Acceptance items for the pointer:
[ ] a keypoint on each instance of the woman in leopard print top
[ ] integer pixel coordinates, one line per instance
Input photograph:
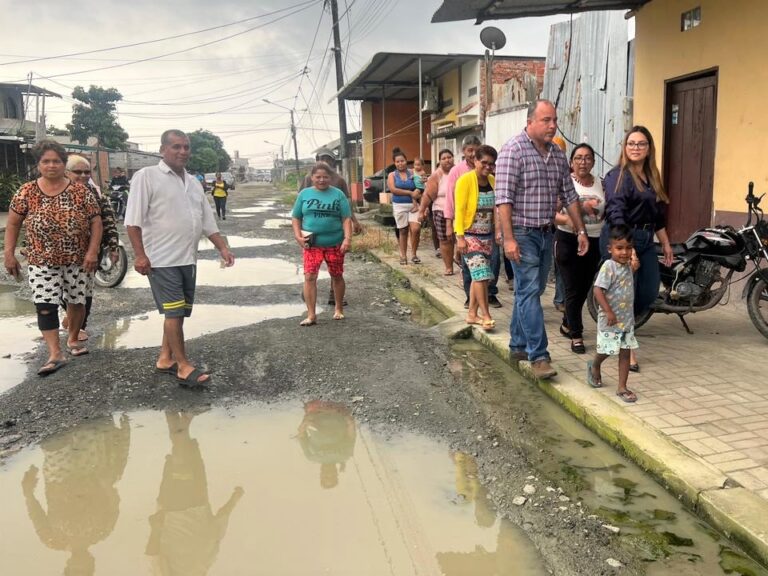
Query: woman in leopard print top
(63, 233)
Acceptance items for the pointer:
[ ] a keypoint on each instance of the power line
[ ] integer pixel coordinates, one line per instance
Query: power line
(151, 58)
(145, 42)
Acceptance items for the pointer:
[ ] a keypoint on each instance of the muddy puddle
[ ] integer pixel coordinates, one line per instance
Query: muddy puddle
(653, 523)
(278, 489)
(145, 330)
(240, 242)
(245, 272)
(276, 223)
(18, 336)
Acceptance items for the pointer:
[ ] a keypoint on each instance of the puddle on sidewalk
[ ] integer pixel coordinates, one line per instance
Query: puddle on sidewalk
(240, 242)
(18, 336)
(653, 523)
(245, 272)
(276, 223)
(146, 330)
(280, 489)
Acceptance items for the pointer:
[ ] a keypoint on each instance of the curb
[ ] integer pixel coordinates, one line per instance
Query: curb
(735, 511)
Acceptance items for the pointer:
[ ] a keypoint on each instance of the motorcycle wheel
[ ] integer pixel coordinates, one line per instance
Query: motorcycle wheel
(757, 306)
(112, 274)
(640, 319)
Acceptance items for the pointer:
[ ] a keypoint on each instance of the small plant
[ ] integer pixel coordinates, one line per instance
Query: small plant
(373, 237)
(9, 184)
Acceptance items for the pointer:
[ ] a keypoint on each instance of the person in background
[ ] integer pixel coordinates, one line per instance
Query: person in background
(120, 180)
(558, 301)
(322, 227)
(63, 232)
(405, 197)
(578, 272)
(166, 216)
(615, 294)
(473, 224)
(337, 181)
(468, 146)
(79, 170)
(220, 191)
(635, 196)
(532, 175)
(420, 177)
(435, 194)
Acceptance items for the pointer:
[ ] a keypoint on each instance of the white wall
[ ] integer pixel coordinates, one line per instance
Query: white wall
(501, 127)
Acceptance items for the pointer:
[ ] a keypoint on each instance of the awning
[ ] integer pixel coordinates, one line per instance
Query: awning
(482, 10)
(29, 89)
(395, 76)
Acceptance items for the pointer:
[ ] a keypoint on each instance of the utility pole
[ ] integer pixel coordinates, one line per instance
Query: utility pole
(295, 146)
(339, 82)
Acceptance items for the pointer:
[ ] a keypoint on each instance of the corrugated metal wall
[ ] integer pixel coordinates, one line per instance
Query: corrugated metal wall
(593, 102)
(501, 126)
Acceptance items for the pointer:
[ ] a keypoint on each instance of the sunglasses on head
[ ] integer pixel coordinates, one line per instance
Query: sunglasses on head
(80, 172)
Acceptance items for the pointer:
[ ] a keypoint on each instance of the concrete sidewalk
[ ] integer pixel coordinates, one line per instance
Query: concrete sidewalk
(701, 421)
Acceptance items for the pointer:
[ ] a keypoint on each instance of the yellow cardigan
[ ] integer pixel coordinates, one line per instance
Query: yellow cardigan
(466, 195)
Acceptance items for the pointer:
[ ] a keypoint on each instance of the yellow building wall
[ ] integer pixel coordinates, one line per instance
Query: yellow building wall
(731, 38)
(450, 88)
(366, 111)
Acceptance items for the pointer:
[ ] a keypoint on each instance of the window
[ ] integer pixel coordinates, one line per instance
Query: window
(690, 19)
(10, 110)
(472, 91)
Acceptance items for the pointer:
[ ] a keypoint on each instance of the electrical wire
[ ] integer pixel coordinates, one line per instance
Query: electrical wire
(174, 37)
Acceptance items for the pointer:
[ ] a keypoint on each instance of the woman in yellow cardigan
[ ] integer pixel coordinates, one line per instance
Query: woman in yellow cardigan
(474, 228)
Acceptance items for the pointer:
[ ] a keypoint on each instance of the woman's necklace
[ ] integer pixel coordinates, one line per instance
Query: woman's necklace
(587, 182)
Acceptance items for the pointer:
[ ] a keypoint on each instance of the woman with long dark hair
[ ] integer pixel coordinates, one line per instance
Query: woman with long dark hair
(635, 196)
(435, 193)
(405, 207)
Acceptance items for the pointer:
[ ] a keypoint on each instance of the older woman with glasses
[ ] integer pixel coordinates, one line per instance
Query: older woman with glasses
(79, 170)
(578, 272)
(63, 234)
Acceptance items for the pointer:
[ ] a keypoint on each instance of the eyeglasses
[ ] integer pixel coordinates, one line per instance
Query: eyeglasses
(639, 145)
(80, 172)
(583, 159)
(487, 163)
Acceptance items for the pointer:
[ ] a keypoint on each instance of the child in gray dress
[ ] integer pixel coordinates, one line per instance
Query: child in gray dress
(615, 294)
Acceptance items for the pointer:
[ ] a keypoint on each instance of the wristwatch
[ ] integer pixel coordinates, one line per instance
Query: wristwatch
(582, 231)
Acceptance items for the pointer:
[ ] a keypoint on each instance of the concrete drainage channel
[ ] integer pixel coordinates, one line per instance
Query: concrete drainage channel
(735, 512)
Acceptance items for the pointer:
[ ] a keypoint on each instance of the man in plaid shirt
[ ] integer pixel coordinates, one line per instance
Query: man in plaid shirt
(532, 174)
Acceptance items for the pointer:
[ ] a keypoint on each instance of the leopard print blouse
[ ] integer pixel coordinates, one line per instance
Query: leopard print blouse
(58, 228)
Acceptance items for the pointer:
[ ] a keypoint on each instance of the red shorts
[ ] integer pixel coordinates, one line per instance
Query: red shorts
(314, 257)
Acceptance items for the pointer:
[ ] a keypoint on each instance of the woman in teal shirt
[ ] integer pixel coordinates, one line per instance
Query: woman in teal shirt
(322, 226)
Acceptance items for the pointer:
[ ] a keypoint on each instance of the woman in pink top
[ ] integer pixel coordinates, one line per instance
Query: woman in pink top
(435, 194)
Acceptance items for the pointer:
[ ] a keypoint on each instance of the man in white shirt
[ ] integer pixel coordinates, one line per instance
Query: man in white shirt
(166, 215)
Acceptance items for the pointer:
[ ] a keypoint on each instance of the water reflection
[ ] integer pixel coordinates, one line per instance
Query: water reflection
(469, 488)
(327, 436)
(80, 470)
(185, 533)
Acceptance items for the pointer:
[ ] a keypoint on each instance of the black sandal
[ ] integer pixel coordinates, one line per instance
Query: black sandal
(578, 347)
(634, 367)
(564, 331)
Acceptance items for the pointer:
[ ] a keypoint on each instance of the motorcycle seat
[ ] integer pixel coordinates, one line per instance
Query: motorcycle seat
(677, 249)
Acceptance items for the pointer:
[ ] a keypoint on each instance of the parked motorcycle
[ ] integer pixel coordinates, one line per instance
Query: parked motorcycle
(110, 274)
(695, 282)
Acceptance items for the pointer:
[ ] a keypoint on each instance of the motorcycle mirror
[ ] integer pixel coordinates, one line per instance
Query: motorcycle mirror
(750, 199)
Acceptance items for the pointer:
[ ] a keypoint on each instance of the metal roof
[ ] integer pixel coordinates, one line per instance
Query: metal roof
(482, 10)
(395, 76)
(29, 89)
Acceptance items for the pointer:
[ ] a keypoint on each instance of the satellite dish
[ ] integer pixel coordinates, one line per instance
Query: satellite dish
(493, 38)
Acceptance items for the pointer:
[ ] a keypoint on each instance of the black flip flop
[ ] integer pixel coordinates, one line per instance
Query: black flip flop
(172, 369)
(564, 331)
(192, 379)
(634, 367)
(56, 364)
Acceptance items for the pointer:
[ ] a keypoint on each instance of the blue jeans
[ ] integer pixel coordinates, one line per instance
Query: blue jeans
(527, 331)
(493, 289)
(648, 276)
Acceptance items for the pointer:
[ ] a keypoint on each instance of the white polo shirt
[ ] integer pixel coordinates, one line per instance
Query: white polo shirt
(172, 214)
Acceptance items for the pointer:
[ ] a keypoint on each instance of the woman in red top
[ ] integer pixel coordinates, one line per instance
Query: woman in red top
(63, 233)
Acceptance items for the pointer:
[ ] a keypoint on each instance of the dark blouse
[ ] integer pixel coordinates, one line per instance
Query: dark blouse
(630, 205)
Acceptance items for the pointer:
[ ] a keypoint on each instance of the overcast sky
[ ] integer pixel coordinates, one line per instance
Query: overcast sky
(220, 87)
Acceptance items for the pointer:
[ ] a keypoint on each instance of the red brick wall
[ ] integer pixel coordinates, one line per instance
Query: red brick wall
(515, 70)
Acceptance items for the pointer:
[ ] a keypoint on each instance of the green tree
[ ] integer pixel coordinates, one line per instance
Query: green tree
(203, 143)
(94, 114)
(53, 131)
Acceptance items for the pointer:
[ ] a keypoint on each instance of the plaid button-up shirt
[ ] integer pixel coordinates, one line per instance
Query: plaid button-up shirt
(531, 183)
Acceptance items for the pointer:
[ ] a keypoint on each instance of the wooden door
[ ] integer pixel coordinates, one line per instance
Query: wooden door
(689, 158)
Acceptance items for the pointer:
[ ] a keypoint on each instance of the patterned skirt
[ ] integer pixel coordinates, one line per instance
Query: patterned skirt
(478, 256)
